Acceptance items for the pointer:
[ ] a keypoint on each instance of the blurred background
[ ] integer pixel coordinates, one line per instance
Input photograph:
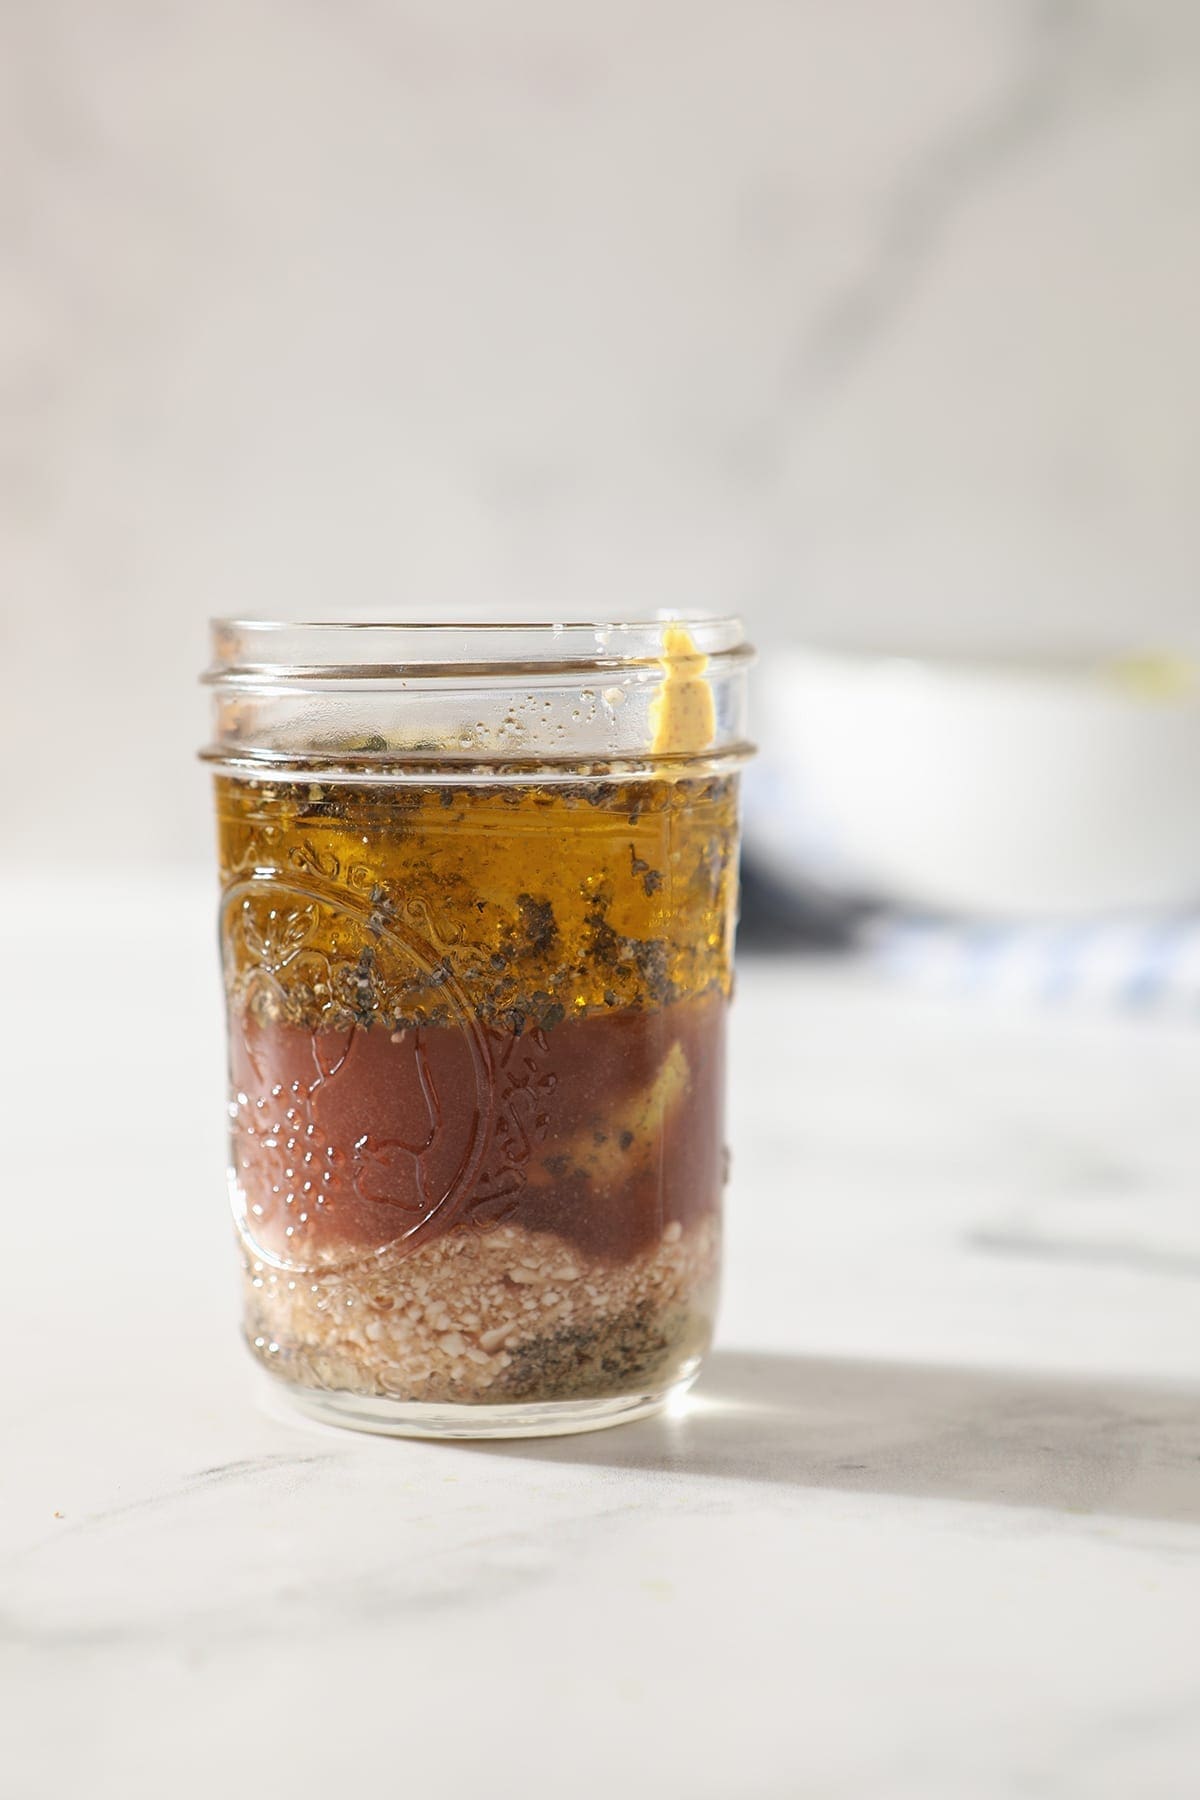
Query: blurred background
(873, 322)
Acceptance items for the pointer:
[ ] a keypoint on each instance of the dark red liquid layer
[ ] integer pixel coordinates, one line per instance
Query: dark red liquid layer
(604, 1130)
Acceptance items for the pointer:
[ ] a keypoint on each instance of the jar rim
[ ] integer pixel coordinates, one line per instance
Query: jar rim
(379, 699)
(369, 648)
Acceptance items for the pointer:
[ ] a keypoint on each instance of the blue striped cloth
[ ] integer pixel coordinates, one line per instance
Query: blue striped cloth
(1149, 964)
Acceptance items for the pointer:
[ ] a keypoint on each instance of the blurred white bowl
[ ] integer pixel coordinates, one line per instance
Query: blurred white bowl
(1005, 787)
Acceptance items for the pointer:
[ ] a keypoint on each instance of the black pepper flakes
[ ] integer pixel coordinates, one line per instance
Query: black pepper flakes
(537, 922)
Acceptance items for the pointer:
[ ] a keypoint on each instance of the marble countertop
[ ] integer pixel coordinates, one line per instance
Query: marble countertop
(930, 1526)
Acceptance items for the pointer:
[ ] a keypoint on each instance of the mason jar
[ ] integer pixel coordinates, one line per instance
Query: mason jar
(478, 895)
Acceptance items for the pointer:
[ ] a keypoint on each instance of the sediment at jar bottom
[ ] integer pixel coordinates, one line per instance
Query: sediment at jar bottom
(601, 1132)
(491, 1317)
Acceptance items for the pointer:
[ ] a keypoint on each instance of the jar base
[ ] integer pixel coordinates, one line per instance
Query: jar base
(427, 1419)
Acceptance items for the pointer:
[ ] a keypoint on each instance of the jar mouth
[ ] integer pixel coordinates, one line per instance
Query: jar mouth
(258, 652)
(377, 699)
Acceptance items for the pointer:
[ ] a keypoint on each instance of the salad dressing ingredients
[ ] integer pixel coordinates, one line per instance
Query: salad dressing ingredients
(477, 1077)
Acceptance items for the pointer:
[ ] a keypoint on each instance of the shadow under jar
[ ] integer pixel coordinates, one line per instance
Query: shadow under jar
(478, 900)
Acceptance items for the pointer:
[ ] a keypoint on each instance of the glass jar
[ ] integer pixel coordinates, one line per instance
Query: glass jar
(478, 894)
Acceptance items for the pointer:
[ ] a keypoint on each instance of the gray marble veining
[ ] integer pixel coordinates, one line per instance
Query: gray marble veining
(867, 320)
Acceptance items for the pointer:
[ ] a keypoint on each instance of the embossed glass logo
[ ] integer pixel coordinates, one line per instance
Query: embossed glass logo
(353, 1127)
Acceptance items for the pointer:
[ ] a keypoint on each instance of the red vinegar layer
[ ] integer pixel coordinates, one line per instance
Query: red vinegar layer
(604, 1130)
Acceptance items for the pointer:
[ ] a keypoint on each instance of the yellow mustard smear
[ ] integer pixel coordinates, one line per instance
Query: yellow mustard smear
(683, 717)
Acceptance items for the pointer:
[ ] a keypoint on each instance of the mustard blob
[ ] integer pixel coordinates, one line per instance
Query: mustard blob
(683, 718)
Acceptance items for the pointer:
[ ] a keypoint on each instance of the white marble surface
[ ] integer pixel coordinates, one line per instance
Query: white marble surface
(930, 1529)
